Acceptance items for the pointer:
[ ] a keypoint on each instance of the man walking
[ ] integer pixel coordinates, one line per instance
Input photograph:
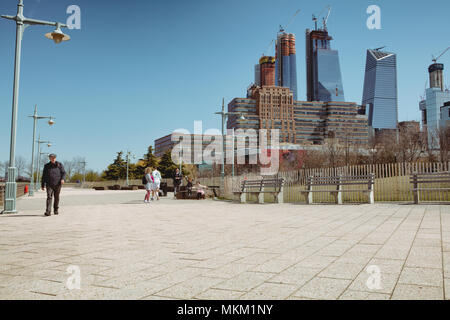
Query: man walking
(53, 178)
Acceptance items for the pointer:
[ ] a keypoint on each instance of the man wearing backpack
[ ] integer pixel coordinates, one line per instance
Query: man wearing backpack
(53, 177)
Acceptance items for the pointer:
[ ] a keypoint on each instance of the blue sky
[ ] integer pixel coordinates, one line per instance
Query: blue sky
(139, 69)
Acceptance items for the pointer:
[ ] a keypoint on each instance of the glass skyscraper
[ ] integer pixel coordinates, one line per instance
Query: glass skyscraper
(380, 89)
(286, 62)
(323, 71)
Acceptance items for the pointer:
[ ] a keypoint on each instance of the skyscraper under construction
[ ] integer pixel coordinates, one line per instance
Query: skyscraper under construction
(286, 62)
(323, 72)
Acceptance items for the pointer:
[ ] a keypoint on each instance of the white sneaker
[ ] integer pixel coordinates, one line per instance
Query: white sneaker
(145, 201)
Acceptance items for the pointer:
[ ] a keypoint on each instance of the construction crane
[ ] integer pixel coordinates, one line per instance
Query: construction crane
(314, 18)
(283, 29)
(325, 20)
(436, 59)
(268, 48)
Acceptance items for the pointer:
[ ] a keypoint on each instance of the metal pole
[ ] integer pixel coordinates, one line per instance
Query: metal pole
(223, 138)
(31, 191)
(232, 147)
(181, 163)
(39, 164)
(128, 158)
(11, 185)
(84, 171)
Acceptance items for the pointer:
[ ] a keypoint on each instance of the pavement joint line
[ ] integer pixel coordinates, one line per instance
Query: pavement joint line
(410, 248)
(390, 236)
(317, 274)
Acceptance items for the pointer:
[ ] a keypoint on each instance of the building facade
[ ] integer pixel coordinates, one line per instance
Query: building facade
(445, 115)
(323, 71)
(286, 62)
(380, 89)
(435, 100)
(299, 122)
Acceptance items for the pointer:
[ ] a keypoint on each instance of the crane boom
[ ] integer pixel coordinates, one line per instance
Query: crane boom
(325, 20)
(282, 29)
(436, 59)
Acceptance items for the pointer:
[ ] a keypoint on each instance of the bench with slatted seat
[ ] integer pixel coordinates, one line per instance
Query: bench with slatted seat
(429, 178)
(260, 187)
(338, 182)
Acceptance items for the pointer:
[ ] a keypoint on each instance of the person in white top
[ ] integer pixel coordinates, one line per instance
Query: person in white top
(156, 183)
(148, 185)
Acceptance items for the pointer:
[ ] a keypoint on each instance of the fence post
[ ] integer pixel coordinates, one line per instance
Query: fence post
(309, 196)
(339, 190)
(416, 191)
(243, 195)
(261, 193)
(371, 189)
(280, 196)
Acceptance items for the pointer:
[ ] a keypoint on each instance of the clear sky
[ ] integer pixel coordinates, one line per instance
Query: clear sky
(138, 69)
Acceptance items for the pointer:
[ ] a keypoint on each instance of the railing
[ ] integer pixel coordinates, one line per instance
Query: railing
(20, 191)
(392, 182)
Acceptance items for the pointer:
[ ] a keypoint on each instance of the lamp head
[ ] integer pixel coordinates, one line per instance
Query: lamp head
(242, 117)
(49, 145)
(57, 35)
(51, 122)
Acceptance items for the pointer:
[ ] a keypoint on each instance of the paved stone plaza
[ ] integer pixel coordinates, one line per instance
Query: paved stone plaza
(181, 249)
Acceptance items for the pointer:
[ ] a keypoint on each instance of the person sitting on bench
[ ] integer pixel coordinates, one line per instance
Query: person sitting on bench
(189, 186)
(200, 190)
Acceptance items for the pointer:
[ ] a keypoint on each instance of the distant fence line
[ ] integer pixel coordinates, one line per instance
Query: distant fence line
(392, 182)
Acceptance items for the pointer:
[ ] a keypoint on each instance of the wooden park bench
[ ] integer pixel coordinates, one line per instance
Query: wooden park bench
(429, 178)
(260, 187)
(338, 182)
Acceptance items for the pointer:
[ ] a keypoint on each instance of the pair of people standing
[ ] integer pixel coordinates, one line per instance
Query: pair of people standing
(153, 182)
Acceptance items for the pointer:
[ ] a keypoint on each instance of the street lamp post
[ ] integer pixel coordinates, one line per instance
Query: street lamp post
(224, 117)
(35, 118)
(84, 171)
(57, 36)
(128, 161)
(39, 142)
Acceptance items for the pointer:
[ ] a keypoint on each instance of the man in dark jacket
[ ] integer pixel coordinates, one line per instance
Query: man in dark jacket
(53, 178)
(177, 181)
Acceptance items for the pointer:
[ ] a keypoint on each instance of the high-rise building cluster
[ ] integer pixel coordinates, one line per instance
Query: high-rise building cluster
(272, 100)
(435, 106)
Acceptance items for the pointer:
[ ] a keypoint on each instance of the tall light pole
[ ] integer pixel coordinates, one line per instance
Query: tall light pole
(224, 117)
(84, 170)
(128, 161)
(39, 142)
(35, 118)
(57, 36)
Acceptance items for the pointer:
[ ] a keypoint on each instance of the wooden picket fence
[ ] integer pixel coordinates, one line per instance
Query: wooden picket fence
(392, 183)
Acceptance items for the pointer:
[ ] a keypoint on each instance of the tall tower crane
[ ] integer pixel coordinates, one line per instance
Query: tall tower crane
(283, 29)
(436, 59)
(314, 17)
(325, 20)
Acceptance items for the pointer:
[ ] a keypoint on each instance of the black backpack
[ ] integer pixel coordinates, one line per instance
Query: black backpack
(144, 179)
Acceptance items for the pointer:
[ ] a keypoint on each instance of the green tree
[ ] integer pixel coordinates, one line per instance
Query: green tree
(117, 170)
(167, 167)
(93, 176)
(149, 160)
